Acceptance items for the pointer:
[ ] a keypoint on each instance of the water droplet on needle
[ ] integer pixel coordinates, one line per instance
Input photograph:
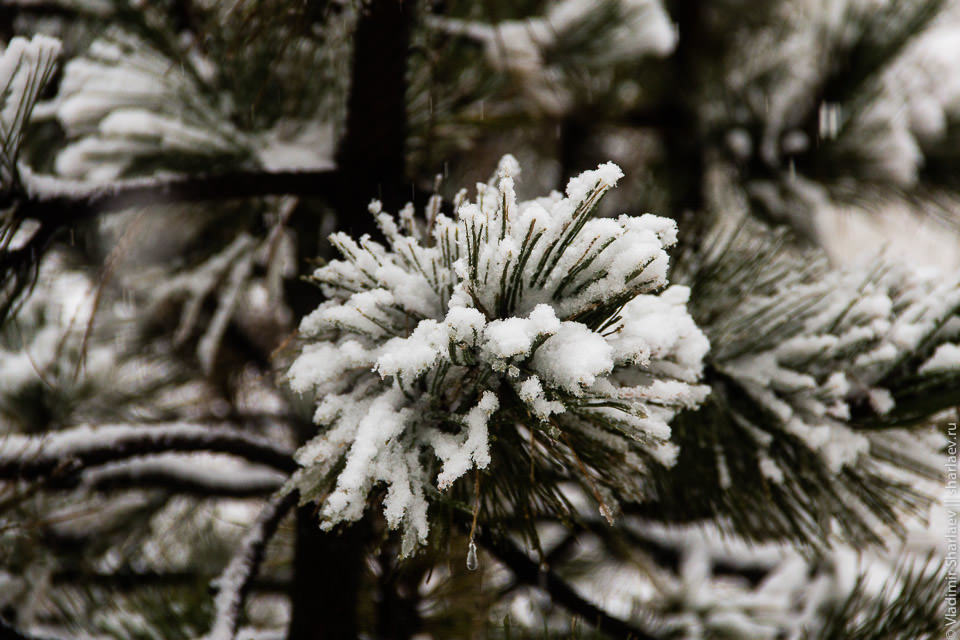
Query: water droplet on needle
(472, 561)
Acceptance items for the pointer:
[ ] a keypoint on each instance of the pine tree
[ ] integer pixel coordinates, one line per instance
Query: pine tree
(397, 318)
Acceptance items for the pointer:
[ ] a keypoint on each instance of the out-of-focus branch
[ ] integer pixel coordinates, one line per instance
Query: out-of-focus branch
(51, 200)
(66, 452)
(237, 577)
(177, 474)
(529, 572)
(9, 632)
(126, 580)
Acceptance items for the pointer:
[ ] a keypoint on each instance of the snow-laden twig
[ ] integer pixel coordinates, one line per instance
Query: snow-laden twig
(236, 578)
(52, 199)
(226, 305)
(127, 579)
(123, 102)
(196, 284)
(207, 476)
(526, 49)
(30, 457)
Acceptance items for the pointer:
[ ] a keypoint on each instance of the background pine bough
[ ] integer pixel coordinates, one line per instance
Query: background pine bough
(541, 381)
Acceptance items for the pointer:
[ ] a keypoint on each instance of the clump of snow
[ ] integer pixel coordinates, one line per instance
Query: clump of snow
(513, 313)
(945, 358)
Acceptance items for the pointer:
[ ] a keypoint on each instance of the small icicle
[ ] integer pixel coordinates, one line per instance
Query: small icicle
(472, 561)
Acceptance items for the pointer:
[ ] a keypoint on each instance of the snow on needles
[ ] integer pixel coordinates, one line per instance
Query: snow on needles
(122, 102)
(511, 322)
(843, 345)
(25, 68)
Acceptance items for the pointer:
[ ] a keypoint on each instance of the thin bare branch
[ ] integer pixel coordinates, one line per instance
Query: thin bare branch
(529, 572)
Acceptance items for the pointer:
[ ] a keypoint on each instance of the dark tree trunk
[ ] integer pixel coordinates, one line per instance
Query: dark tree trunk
(684, 142)
(371, 164)
(326, 580)
(574, 132)
(7, 16)
(371, 155)
(398, 614)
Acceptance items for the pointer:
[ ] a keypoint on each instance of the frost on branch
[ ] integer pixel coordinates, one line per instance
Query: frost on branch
(522, 332)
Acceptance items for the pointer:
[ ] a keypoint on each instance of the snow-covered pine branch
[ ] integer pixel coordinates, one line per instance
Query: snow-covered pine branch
(61, 201)
(243, 567)
(25, 68)
(533, 50)
(697, 582)
(200, 473)
(124, 103)
(51, 204)
(528, 329)
(836, 341)
(807, 365)
(70, 450)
